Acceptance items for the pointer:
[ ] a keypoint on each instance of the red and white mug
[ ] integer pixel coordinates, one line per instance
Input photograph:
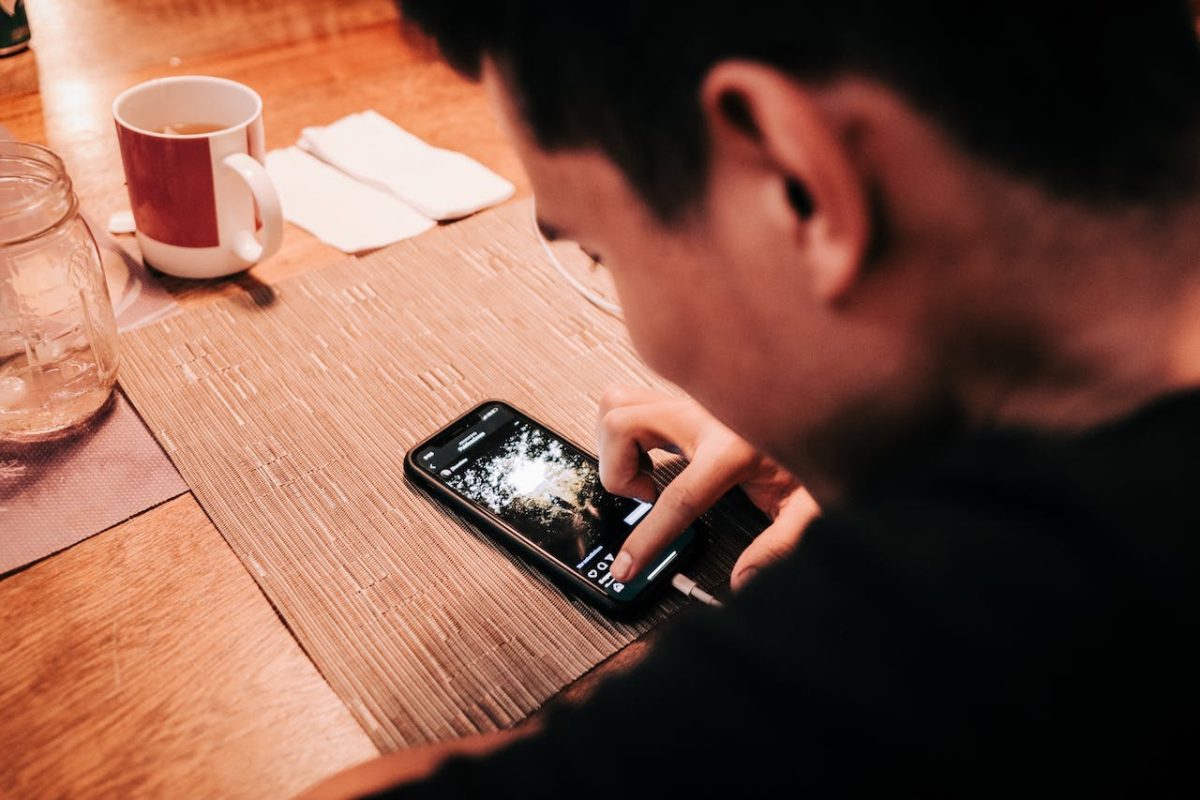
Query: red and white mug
(202, 202)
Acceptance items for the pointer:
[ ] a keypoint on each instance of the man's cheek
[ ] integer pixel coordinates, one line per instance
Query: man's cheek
(662, 339)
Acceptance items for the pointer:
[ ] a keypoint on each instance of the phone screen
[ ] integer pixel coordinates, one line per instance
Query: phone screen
(549, 491)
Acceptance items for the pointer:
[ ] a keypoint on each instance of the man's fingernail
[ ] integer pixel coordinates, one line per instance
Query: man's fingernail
(747, 575)
(620, 567)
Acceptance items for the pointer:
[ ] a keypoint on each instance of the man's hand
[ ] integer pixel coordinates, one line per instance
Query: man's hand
(635, 421)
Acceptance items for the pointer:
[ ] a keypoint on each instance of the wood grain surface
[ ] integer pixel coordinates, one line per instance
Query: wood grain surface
(145, 662)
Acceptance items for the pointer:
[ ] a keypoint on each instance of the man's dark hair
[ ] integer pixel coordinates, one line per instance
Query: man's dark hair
(1095, 102)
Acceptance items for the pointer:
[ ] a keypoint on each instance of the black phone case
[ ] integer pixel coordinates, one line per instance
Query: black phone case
(498, 530)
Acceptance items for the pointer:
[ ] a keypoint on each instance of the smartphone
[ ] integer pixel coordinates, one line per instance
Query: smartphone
(540, 494)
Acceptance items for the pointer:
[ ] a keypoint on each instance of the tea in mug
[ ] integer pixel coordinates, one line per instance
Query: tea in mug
(189, 128)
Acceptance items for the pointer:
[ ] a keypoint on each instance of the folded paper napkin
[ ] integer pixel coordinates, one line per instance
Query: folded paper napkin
(441, 184)
(338, 210)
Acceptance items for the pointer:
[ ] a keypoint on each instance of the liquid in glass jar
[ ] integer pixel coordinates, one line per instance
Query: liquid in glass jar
(58, 337)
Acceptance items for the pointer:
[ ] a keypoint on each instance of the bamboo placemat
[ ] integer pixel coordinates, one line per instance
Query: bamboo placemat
(289, 413)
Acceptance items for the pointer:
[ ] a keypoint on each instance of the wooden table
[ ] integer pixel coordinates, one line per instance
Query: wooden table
(145, 661)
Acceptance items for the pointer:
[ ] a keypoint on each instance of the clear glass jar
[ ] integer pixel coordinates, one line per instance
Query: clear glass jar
(58, 337)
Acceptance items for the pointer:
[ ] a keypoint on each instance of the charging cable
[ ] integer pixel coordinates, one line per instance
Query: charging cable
(689, 588)
(592, 297)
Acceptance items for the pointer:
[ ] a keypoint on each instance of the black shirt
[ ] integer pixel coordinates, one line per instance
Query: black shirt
(1017, 615)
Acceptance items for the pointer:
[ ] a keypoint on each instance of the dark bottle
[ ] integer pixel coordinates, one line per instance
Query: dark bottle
(14, 27)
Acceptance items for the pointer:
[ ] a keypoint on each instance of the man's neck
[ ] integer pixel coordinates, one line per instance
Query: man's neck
(1103, 351)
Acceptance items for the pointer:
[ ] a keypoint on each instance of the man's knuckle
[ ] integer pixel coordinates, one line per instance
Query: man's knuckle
(615, 480)
(617, 421)
(613, 397)
(686, 501)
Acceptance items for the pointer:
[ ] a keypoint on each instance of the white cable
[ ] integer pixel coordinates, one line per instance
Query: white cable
(689, 588)
(592, 297)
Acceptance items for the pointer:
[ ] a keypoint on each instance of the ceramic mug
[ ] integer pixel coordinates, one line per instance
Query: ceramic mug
(192, 147)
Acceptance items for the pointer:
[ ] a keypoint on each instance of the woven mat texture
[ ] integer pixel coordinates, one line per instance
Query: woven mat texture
(288, 410)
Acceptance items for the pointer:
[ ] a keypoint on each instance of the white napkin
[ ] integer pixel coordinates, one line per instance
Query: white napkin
(439, 183)
(337, 209)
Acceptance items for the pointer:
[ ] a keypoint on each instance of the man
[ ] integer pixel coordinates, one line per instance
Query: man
(938, 267)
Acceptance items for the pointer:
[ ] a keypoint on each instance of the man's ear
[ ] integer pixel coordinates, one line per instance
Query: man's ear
(770, 122)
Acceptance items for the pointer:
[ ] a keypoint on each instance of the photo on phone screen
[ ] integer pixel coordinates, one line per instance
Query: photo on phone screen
(549, 491)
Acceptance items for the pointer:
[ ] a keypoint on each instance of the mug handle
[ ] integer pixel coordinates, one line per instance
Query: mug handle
(250, 247)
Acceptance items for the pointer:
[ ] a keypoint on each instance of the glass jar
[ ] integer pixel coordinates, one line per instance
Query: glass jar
(58, 337)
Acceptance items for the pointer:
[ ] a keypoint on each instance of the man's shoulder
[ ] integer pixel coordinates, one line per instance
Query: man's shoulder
(1107, 506)
(1010, 587)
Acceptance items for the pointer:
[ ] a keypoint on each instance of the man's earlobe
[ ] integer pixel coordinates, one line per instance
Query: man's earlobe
(836, 267)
